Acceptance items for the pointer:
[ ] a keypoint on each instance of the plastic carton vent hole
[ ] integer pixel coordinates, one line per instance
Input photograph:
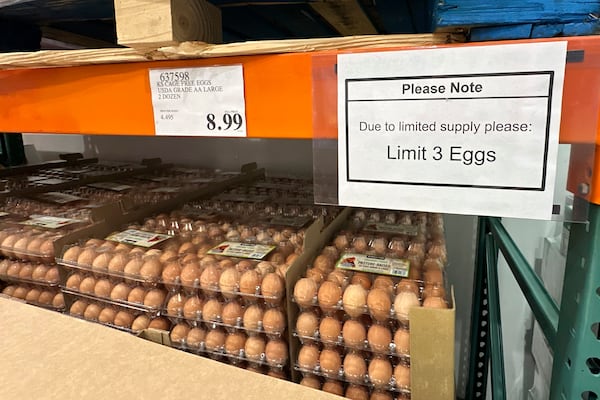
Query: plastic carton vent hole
(569, 362)
(593, 364)
(598, 291)
(596, 330)
(589, 395)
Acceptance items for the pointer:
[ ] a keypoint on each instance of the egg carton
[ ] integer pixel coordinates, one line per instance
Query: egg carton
(30, 244)
(20, 272)
(234, 321)
(133, 307)
(36, 295)
(235, 357)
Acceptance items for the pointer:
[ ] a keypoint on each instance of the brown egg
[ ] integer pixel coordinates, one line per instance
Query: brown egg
(307, 324)
(58, 301)
(250, 283)
(91, 313)
(380, 371)
(402, 341)
(229, 281)
(434, 277)
(331, 252)
(46, 297)
(52, 275)
(274, 321)
(87, 284)
(103, 288)
(341, 242)
(14, 269)
(215, 340)
(355, 367)
(167, 256)
(20, 247)
(86, 257)
(272, 288)
(275, 373)
(276, 352)
(232, 313)
(311, 381)
(362, 279)
(434, 300)
(408, 285)
(403, 303)
(381, 395)
(4, 264)
(140, 322)
(33, 295)
(323, 264)
(235, 342)
(330, 329)
(329, 295)
(192, 308)
(94, 242)
(179, 332)
(136, 295)
(339, 277)
(8, 244)
(291, 258)
(175, 304)
(195, 337)
(122, 247)
(402, 376)
(132, 268)
(9, 290)
(334, 387)
(107, 315)
(136, 252)
(151, 269)
(264, 268)
(170, 274)
(253, 317)
(190, 275)
(118, 262)
(20, 292)
(124, 319)
(315, 274)
(159, 323)
(379, 338)
(72, 254)
(39, 272)
(26, 271)
(254, 348)
(308, 356)
(154, 298)
(354, 333)
(187, 247)
(212, 310)
(355, 300)
(357, 392)
(188, 258)
(384, 282)
(225, 264)
(379, 303)
(330, 361)
(120, 292)
(101, 261)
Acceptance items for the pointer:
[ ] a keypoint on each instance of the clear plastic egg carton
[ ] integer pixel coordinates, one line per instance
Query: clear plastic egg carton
(115, 316)
(376, 372)
(38, 295)
(109, 291)
(229, 314)
(29, 273)
(350, 390)
(389, 338)
(235, 347)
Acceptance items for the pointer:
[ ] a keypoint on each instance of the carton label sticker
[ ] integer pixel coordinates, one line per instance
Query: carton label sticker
(382, 227)
(46, 221)
(242, 250)
(59, 198)
(374, 264)
(139, 238)
(51, 181)
(115, 187)
(3, 214)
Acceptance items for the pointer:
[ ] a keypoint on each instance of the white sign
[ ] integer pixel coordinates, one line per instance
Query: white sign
(203, 101)
(138, 238)
(471, 130)
(46, 221)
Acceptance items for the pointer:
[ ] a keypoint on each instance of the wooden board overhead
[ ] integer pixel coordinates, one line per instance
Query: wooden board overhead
(345, 16)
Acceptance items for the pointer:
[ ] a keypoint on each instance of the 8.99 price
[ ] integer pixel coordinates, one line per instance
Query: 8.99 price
(228, 121)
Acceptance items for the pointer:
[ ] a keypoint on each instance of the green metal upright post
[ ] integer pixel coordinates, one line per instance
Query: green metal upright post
(576, 367)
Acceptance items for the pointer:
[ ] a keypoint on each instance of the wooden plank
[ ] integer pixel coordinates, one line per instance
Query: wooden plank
(345, 16)
(155, 23)
(190, 50)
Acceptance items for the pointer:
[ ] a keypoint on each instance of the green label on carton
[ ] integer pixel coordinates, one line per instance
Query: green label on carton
(374, 264)
(139, 238)
(242, 250)
(46, 221)
(394, 229)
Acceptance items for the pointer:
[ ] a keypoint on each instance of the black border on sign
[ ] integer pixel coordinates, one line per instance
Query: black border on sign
(542, 186)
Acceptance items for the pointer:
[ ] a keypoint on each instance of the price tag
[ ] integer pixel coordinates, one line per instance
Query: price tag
(139, 238)
(45, 221)
(115, 187)
(202, 101)
(459, 130)
(374, 264)
(242, 250)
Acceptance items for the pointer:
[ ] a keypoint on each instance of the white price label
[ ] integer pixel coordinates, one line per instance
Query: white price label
(242, 250)
(115, 187)
(374, 264)
(460, 130)
(45, 221)
(202, 101)
(139, 238)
